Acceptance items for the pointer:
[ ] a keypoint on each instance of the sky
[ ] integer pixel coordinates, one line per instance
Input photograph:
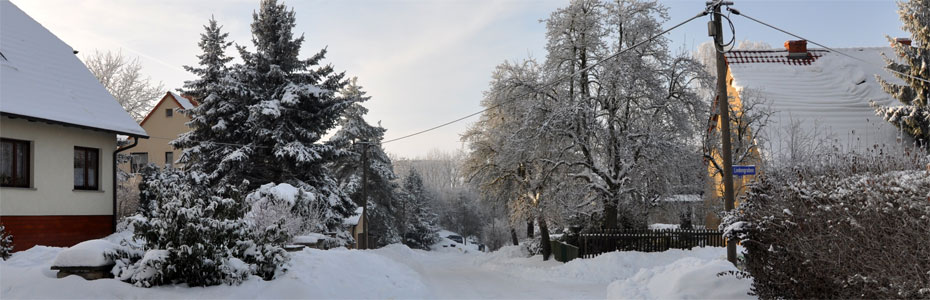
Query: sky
(423, 62)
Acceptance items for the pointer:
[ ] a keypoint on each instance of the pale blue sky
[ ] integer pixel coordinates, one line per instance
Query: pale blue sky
(423, 62)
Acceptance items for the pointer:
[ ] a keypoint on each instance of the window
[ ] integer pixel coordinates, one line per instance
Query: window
(14, 165)
(139, 160)
(86, 167)
(169, 113)
(169, 159)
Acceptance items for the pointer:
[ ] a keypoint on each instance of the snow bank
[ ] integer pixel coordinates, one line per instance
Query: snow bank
(312, 274)
(686, 278)
(605, 268)
(86, 254)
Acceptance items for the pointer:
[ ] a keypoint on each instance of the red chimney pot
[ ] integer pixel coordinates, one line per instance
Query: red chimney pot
(903, 41)
(796, 46)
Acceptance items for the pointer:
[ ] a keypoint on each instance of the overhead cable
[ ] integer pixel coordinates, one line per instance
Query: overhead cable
(551, 83)
(738, 13)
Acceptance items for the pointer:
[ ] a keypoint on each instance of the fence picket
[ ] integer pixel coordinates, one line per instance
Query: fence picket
(601, 241)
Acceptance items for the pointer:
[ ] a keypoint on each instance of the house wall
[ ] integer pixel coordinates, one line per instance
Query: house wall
(51, 211)
(713, 195)
(162, 130)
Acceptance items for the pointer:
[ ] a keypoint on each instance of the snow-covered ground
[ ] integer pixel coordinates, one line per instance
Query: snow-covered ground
(399, 272)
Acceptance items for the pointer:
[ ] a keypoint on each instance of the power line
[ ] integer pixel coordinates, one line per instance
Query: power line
(738, 13)
(701, 14)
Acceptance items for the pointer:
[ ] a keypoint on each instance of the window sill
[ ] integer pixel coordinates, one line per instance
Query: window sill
(87, 191)
(19, 188)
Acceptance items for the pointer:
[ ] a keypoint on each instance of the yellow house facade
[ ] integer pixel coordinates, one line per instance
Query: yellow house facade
(164, 123)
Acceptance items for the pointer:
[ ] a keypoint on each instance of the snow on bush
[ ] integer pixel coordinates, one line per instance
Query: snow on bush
(686, 278)
(6, 243)
(92, 253)
(803, 228)
(191, 235)
(274, 203)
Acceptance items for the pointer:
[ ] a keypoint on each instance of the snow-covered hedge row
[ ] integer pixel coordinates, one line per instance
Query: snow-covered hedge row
(825, 234)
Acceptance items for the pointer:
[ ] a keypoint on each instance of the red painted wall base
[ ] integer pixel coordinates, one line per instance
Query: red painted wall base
(58, 231)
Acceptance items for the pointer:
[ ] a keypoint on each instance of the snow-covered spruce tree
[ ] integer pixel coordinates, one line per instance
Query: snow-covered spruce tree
(6, 243)
(291, 104)
(913, 115)
(351, 141)
(418, 219)
(217, 123)
(193, 236)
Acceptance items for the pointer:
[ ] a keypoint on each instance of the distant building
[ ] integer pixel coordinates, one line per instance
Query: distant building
(815, 96)
(58, 129)
(356, 225)
(163, 123)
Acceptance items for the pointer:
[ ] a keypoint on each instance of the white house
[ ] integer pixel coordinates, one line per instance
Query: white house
(58, 127)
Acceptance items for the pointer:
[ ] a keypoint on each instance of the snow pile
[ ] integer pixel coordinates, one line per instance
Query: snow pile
(686, 278)
(92, 253)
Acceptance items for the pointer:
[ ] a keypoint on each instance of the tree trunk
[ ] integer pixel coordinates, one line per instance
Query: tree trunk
(513, 236)
(529, 228)
(544, 236)
(610, 214)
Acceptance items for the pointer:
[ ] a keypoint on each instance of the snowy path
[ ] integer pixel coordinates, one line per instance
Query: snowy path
(461, 276)
(397, 272)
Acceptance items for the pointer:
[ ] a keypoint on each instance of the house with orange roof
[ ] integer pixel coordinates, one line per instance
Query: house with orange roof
(810, 97)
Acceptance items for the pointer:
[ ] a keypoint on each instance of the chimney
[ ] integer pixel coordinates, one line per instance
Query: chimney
(796, 49)
(903, 41)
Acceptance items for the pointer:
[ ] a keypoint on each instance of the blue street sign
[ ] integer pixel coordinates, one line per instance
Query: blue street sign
(744, 170)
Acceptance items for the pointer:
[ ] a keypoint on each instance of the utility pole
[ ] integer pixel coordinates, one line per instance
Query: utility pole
(363, 240)
(716, 30)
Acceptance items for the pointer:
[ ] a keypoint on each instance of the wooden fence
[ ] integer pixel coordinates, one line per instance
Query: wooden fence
(608, 240)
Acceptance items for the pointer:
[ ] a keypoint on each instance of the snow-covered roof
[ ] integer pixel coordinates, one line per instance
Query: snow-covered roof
(41, 78)
(827, 92)
(183, 102)
(353, 220)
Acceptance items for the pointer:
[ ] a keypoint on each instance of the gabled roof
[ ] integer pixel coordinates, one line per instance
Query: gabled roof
(184, 102)
(826, 91)
(42, 79)
(181, 101)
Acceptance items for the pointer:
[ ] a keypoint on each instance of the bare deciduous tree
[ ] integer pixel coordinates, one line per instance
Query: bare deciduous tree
(122, 76)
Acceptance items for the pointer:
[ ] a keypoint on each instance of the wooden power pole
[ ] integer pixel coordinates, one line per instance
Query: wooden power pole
(724, 110)
(363, 240)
